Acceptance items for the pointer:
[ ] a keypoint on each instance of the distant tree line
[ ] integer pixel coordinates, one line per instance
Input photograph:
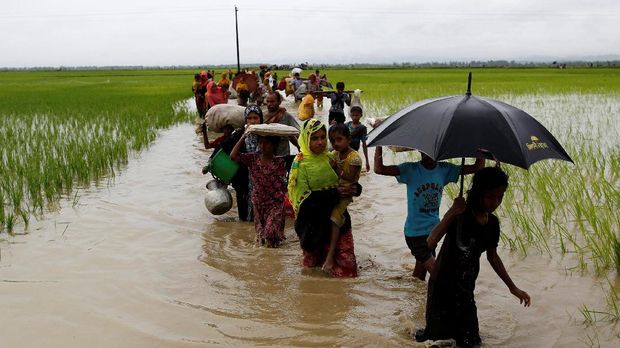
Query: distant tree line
(306, 66)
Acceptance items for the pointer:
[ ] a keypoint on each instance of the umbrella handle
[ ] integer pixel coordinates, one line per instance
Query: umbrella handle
(462, 175)
(466, 248)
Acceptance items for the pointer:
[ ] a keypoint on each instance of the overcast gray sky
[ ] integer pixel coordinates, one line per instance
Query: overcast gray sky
(198, 32)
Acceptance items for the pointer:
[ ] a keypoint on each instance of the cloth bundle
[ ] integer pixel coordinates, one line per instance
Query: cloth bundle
(273, 129)
(221, 115)
(306, 108)
(356, 98)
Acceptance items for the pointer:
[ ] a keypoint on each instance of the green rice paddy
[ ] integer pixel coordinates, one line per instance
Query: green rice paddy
(63, 130)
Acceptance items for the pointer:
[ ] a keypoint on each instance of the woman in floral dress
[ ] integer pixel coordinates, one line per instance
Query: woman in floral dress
(268, 177)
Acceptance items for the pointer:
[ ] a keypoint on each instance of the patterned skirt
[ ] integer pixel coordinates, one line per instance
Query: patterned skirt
(345, 264)
(269, 222)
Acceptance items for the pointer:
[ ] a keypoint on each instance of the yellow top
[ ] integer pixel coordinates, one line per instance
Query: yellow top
(306, 108)
(223, 81)
(241, 86)
(353, 159)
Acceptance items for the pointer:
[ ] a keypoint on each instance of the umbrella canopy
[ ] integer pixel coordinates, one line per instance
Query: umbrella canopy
(457, 126)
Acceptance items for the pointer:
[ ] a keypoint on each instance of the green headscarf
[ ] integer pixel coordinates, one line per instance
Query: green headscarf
(310, 171)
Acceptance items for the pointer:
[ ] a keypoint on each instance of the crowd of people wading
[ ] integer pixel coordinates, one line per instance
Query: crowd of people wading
(316, 186)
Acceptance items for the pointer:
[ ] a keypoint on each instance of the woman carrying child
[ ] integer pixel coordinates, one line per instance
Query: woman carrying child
(313, 191)
(470, 229)
(268, 178)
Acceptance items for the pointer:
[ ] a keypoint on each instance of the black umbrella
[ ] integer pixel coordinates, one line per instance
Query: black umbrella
(458, 126)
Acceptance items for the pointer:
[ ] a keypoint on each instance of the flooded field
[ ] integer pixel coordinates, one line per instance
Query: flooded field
(136, 260)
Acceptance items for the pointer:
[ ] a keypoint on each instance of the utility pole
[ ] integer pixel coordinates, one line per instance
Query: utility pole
(237, 34)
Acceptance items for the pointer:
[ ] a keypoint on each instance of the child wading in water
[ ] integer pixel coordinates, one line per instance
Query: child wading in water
(268, 176)
(348, 166)
(470, 229)
(425, 181)
(359, 132)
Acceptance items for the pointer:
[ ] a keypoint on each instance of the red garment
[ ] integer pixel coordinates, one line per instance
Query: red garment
(274, 117)
(216, 143)
(268, 189)
(288, 208)
(215, 95)
(282, 85)
(345, 264)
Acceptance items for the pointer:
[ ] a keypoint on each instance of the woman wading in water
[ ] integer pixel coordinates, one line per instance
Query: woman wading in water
(313, 191)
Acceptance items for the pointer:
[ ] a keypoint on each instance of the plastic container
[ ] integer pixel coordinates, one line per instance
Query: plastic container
(222, 167)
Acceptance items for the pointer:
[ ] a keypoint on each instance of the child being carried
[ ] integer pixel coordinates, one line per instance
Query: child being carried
(348, 164)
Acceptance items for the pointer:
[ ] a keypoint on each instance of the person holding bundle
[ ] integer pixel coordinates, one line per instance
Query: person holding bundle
(268, 178)
(359, 132)
(277, 114)
(338, 99)
(241, 181)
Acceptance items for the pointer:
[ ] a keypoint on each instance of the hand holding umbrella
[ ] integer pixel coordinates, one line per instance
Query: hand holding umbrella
(457, 126)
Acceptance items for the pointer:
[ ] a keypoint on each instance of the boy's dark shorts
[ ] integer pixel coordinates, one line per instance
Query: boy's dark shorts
(338, 116)
(419, 248)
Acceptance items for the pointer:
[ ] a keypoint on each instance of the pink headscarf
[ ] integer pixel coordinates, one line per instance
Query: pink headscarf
(210, 86)
(313, 79)
(215, 95)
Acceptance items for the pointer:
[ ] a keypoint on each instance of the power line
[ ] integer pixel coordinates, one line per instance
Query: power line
(338, 11)
(436, 12)
(114, 14)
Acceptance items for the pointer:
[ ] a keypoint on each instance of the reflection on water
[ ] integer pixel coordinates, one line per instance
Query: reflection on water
(142, 263)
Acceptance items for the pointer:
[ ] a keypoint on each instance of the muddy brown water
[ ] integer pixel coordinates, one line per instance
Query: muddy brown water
(140, 262)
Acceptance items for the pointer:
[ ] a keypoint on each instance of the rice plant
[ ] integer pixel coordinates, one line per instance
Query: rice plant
(63, 130)
(616, 248)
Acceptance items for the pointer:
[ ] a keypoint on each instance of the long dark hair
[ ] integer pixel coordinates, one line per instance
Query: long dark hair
(274, 140)
(340, 129)
(485, 179)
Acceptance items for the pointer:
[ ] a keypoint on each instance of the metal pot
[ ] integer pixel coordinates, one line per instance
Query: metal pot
(215, 184)
(218, 200)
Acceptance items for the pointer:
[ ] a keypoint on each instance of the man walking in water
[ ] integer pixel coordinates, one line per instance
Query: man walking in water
(277, 114)
(425, 181)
